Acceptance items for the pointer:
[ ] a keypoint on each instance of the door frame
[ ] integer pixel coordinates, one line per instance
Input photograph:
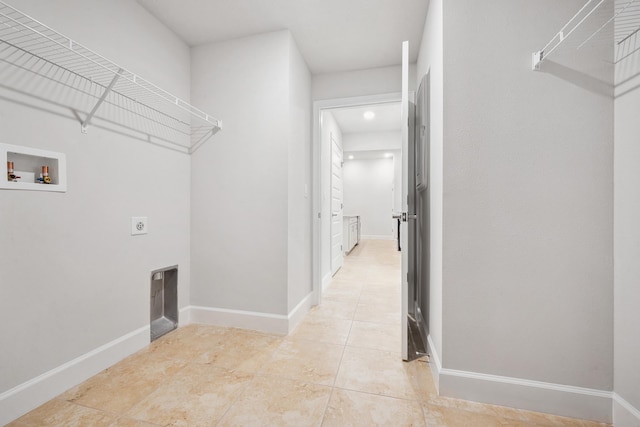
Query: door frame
(316, 160)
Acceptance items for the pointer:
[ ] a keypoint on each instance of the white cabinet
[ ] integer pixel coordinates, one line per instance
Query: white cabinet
(350, 232)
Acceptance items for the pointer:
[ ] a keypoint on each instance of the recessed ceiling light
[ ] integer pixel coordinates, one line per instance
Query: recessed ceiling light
(369, 115)
(350, 157)
(388, 155)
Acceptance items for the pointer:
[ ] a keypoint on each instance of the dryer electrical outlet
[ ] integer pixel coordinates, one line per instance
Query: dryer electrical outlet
(139, 225)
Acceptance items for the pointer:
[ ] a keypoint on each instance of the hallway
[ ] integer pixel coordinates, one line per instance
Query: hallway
(340, 367)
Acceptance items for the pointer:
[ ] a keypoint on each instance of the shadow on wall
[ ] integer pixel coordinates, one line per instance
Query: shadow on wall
(628, 65)
(47, 87)
(627, 71)
(29, 100)
(578, 78)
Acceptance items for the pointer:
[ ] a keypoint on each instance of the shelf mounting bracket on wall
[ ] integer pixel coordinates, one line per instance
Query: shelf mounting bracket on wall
(573, 24)
(87, 121)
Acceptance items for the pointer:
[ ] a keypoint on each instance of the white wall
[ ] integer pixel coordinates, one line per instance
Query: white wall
(431, 60)
(329, 86)
(389, 141)
(627, 241)
(72, 277)
(367, 193)
(367, 141)
(248, 195)
(528, 214)
(374, 81)
(240, 182)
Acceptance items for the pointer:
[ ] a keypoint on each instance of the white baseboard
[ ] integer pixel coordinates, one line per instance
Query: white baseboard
(557, 399)
(299, 311)
(325, 281)
(264, 322)
(624, 414)
(29, 395)
(434, 362)
(184, 316)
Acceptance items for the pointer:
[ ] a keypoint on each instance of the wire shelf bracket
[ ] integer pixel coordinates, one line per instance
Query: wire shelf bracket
(30, 45)
(573, 24)
(624, 15)
(85, 124)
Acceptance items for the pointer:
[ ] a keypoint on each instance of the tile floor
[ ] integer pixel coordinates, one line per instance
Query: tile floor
(340, 367)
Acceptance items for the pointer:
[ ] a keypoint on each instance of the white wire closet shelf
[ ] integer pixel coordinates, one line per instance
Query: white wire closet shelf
(597, 22)
(94, 87)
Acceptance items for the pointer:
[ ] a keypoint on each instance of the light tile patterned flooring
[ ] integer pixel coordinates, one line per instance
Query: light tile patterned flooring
(340, 367)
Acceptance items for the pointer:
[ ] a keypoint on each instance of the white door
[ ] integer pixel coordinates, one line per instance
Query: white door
(407, 225)
(337, 255)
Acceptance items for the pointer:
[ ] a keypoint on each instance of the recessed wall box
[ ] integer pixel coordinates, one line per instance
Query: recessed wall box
(28, 163)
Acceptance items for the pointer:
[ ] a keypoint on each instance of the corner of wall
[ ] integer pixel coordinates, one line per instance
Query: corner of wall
(299, 312)
(626, 405)
(624, 414)
(299, 224)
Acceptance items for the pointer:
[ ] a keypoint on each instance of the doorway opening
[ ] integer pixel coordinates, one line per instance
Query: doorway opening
(357, 179)
(339, 173)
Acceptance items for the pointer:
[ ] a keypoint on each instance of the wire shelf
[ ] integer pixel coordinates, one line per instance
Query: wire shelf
(599, 22)
(38, 60)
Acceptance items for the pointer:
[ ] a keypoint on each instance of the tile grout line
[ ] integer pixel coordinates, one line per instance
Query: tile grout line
(344, 349)
(116, 415)
(417, 400)
(326, 407)
(236, 399)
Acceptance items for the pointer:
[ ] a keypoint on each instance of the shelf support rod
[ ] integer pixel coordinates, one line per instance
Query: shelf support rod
(205, 137)
(106, 92)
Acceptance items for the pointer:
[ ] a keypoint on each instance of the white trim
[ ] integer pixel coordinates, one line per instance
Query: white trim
(29, 395)
(326, 280)
(436, 366)
(184, 316)
(571, 401)
(299, 311)
(527, 383)
(264, 322)
(558, 399)
(624, 413)
(375, 237)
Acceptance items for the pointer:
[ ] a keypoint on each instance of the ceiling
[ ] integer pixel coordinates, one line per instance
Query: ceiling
(332, 35)
(351, 119)
(386, 119)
